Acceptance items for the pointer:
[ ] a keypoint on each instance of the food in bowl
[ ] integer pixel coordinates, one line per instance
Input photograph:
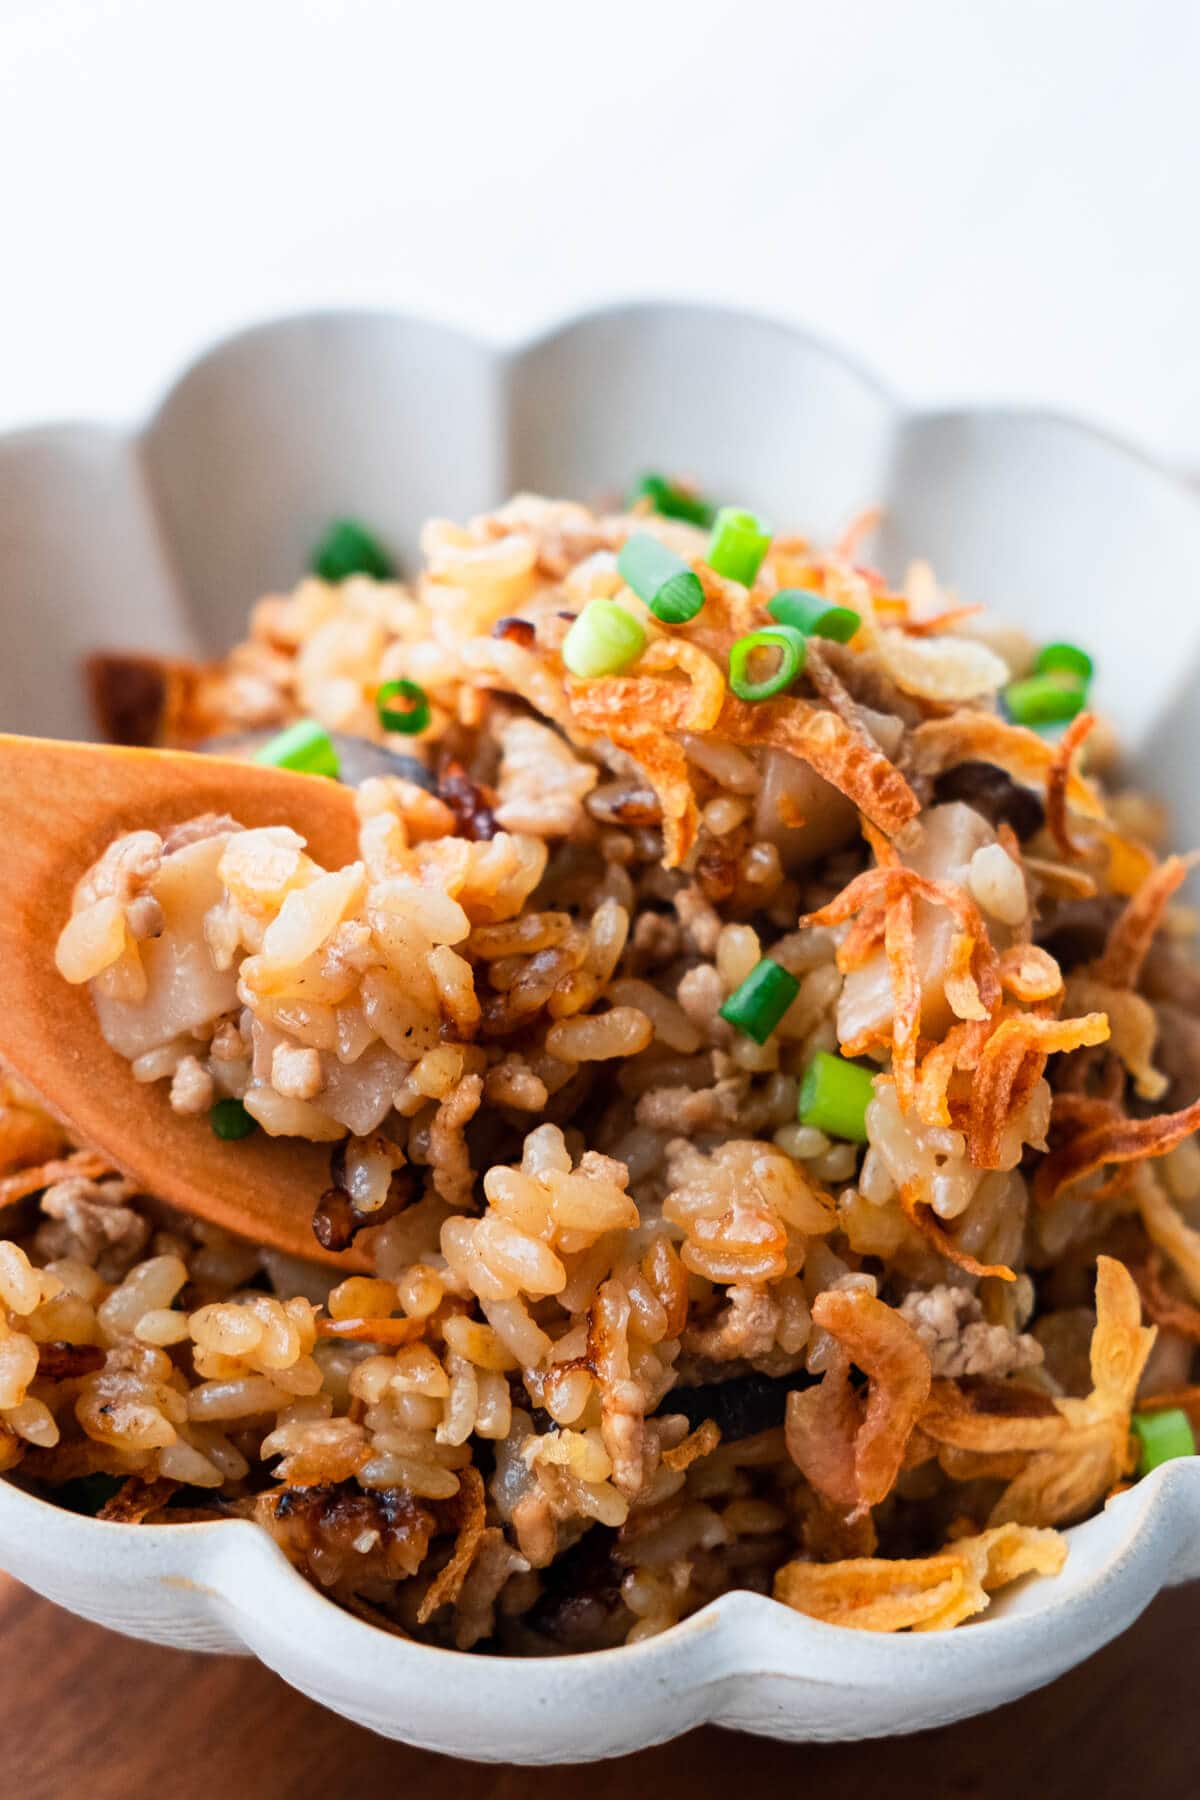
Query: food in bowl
(757, 1052)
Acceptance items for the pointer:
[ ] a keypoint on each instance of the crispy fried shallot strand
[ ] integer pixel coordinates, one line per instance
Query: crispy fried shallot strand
(1058, 1464)
(924, 1593)
(961, 1048)
(922, 1217)
(1058, 779)
(1119, 1140)
(1130, 939)
(87, 1165)
(1012, 1062)
(852, 1451)
(847, 756)
(885, 883)
(469, 1510)
(943, 621)
(900, 946)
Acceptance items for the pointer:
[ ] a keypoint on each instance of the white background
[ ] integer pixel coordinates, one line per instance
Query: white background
(982, 198)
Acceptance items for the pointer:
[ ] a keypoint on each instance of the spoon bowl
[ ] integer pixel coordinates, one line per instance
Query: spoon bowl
(61, 804)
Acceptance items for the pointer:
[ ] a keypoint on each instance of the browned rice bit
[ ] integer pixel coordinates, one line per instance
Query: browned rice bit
(636, 1334)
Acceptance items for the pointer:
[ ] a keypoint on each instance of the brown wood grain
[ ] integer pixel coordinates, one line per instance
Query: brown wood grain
(84, 1713)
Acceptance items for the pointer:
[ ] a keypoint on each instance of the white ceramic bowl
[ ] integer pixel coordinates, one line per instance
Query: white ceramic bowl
(163, 537)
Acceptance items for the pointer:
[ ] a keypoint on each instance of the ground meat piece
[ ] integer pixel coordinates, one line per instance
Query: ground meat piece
(994, 794)
(950, 1324)
(542, 781)
(191, 1087)
(125, 871)
(89, 1221)
(729, 1106)
(684, 1111)
(295, 1072)
(448, 1156)
(746, 1327)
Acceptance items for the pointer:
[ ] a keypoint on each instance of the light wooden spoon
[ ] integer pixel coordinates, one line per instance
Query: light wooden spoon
(60, 806)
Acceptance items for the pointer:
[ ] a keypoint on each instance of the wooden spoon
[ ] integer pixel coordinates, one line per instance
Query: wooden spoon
(60, 806)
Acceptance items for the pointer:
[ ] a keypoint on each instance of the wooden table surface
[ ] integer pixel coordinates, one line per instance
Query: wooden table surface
(118, 1720)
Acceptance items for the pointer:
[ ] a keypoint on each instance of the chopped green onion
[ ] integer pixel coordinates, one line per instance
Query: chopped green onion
(409, 719)
(1043, 700)
(790, 648)
(603, 640)
(348, 548)
(1163, 1436)
(1064, 660)
(663, 580)
(758, 1004)
(738, 544)
(671, 501)
(305, 747)
(230, 1120)
(814, 615)
(834, 1096)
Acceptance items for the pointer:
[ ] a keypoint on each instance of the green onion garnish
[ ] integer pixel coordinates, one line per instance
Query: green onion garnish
(349, 549)
(1064, 660)
(305, 747)
(230, 1120)
(663, 580)
(834, 1096)
(1043, 700)
(671, 501)
(758, 1004)
(603, 640)
(814, 615)
(1163, 1436)
(790, 650)
(409, 719)
(738, 544)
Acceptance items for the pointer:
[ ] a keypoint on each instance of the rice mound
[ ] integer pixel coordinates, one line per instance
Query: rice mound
(634, 1334)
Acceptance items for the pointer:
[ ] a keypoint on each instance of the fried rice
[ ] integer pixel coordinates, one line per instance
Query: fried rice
(636, 1332)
